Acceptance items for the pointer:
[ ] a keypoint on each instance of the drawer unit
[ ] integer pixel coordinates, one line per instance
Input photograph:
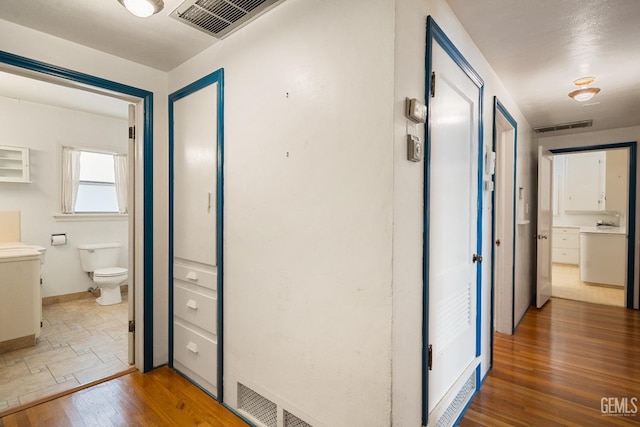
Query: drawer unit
(565, 256)
(569, 241)
(195, 351)
(195, 276)
(196, 308)
(566, 245)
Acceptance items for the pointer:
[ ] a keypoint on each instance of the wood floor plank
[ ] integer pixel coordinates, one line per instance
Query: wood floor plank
(158, 398)
(560, 363)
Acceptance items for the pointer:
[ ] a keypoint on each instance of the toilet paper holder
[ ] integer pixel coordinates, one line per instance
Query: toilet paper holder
(58, 239)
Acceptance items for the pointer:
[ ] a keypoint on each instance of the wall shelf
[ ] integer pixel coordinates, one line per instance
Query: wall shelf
(14, 164)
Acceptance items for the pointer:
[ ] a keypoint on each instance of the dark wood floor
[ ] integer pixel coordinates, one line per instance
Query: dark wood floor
(158, 398)
(562, 361)
(560, 364)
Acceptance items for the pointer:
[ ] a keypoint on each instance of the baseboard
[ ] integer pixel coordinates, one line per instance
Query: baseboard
(77, 296)
(17, 343)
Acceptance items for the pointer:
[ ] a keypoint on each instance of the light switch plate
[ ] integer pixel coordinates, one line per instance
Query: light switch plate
(414, 148)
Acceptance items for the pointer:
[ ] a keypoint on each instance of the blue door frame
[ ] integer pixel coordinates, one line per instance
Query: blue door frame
(435, 33)
(631, 302)
(147, 98)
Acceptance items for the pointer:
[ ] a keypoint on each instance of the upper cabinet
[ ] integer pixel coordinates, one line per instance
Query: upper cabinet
(584, 185)
(592, 181)
(14, 164)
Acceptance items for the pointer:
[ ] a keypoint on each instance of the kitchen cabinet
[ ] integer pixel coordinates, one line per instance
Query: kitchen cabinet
(14, 164)
(584, 185)
(565, 245)
(603, 257)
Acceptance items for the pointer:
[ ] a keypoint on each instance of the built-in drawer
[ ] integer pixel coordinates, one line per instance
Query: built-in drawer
(206, 279)
(565, 256)
(195, 351)
(569, 241)
(196, 308)
(566, 230)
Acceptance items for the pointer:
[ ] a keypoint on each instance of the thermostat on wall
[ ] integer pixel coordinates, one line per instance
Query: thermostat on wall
(416, 110)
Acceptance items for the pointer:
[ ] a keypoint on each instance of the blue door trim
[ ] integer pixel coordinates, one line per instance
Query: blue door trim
(435, 33)
(498, 107)
(147, 98)
(631, 302)
(215, 77)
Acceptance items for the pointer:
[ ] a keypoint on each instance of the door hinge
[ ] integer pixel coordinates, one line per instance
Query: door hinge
(433, 84)
(477, 258)
(430, 356)
(132, 325)
(132, 132)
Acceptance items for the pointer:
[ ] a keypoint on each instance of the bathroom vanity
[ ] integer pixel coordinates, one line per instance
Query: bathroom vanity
(20, 298)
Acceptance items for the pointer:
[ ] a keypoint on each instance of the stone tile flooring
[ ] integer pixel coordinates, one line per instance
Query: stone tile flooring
(566, 283)
(80, 342)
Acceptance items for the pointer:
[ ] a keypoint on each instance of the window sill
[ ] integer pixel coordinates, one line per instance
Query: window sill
(90, 217)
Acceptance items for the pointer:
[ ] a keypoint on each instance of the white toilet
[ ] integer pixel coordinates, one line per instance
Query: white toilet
(100, 260)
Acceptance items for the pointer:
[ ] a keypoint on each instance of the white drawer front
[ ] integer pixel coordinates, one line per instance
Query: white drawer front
(570, 241)
(566, 256)
(195, 276)
(196, 352)
(566, 230)
(201, 310)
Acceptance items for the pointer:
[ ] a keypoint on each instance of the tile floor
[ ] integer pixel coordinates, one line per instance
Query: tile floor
(566, 283)
(80, 342)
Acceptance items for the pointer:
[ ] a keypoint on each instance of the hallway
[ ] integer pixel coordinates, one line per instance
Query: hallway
(561, 367)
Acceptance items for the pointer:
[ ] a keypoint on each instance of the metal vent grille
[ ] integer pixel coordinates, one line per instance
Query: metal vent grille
(461, 399)
(259, 407)
(291, 420)
(564, 126)
(220, 17)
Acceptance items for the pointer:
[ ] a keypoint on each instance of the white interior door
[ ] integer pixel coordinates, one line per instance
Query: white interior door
(504, 226)
(453, 204)
(545, 222)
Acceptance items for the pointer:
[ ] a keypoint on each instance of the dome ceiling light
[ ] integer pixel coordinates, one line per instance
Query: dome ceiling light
(143, 8)
(585, 92)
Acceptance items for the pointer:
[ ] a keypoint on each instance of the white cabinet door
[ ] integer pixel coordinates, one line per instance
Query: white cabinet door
(584, 182)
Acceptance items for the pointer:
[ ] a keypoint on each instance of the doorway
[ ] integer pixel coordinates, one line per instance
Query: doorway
(140, 189)
(590, 211)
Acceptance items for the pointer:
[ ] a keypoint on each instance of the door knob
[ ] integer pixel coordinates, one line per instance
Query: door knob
(498, 242)
(477, 258)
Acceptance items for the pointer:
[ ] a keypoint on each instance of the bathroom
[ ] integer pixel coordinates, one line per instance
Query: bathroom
(590, 207)
(80, 340)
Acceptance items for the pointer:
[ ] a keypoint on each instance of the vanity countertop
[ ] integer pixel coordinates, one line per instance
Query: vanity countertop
(604, 230)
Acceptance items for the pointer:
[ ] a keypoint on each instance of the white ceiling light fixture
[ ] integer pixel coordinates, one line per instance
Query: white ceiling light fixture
(585, 92)
(143, 8)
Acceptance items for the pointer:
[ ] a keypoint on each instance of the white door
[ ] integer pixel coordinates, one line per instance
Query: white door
(132, 242)
(504, 225)
(453, 240)
(545, 221)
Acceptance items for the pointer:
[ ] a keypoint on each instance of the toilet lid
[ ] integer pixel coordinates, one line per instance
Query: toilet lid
(109, 272)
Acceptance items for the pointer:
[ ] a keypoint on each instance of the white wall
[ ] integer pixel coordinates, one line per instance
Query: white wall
(611, 136)
(52, 50)
(308, 207)
(42, 129)
(411, 17)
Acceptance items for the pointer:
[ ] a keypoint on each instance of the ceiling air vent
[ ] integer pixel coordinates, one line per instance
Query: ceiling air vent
(220, 18)
(564, 126)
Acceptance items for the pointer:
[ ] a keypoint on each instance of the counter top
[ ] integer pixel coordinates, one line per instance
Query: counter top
(604, 230)
(14, 251)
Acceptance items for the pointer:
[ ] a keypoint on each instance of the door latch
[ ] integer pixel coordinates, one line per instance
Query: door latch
(477, 258)
(498, 242)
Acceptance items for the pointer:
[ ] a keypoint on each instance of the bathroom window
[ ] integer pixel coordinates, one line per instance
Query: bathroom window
(93, 182)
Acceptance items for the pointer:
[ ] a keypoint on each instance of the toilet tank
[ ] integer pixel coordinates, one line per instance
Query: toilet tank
(98, 255)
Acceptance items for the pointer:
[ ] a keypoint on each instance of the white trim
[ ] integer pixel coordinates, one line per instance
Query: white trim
(91, 217)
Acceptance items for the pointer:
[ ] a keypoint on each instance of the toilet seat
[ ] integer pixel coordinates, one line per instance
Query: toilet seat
(109, 272)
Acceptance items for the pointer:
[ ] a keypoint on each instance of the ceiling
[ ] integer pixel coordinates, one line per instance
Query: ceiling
(537, 48)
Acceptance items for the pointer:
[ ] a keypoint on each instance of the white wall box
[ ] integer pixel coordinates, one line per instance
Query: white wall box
(566, 245)
(195, 270)
(14, 164)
